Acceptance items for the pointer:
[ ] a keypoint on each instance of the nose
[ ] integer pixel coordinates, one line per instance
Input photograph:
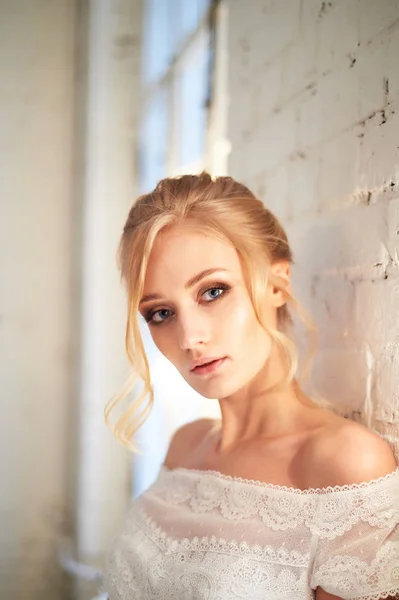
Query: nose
(193, 331)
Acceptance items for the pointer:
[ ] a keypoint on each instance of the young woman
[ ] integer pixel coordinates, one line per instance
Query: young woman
(281, 499)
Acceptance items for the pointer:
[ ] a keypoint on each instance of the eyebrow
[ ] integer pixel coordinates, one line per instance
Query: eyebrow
(190, 283)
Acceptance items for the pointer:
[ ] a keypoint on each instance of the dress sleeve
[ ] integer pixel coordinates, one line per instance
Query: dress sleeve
(356, 533)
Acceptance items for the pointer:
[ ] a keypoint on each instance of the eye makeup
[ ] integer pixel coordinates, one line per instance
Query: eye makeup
(151, 312)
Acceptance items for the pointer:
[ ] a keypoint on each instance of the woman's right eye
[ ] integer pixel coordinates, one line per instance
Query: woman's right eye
(158, 316)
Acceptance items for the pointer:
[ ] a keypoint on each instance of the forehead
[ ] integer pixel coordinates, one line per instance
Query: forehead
(182, 252)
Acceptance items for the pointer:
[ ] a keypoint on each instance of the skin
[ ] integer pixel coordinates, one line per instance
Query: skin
(193, 326)
(275, 437)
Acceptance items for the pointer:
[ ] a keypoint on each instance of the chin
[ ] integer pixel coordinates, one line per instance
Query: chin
(216, 389)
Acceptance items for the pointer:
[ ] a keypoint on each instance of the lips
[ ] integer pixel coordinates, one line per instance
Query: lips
(208, 365)
(203, 361)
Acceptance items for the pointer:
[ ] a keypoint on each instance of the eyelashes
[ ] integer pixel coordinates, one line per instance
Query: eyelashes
(150, 315)
(217, 286)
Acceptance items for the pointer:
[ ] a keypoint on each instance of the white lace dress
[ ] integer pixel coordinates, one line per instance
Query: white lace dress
(201, 535)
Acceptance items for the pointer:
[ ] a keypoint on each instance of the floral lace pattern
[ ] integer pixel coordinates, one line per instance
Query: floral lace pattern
(207, 568)
(198, 535)
(219, 545)
(349, 576)
(327, 512)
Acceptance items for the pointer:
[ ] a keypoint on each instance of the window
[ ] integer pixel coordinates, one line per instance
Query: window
(176, 74)
(177, 136)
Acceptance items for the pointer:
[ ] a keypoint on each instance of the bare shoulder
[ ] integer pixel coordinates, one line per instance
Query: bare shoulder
(346, 452)
(185, 439)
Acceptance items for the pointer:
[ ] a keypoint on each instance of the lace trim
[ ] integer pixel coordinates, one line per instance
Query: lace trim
(138, 568)
(392, 594)
(283, 488)
(349, 576)
(170, 545)
(325, 515)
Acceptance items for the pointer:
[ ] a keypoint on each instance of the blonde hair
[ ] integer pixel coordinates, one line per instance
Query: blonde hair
(221, 207)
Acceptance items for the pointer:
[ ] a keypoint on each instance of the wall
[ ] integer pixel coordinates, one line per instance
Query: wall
(110, 104)
(36, 229)
(69, 103)
(314, 123)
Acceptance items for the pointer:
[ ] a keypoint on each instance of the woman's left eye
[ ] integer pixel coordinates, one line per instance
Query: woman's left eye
(214, 293)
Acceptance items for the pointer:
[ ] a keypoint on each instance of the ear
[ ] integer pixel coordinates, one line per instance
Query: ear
(282, 271)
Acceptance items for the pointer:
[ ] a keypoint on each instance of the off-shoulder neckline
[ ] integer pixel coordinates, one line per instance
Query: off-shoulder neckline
(276, 487)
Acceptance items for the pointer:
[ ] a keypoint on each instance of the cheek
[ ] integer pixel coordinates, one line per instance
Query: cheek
(163, 341)
(238, 319)
(245, 331)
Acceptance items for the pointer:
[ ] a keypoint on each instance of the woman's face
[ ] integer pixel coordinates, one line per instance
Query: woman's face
(200, 314)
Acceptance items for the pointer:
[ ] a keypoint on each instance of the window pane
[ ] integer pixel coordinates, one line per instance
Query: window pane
(167, 24)
(191, 14)
(153, 141)
(156, 44)
(191, 112)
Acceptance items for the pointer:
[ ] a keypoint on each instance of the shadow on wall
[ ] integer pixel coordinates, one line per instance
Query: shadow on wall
(347, 258)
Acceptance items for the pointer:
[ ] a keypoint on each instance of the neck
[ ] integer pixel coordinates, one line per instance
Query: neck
(262, 410)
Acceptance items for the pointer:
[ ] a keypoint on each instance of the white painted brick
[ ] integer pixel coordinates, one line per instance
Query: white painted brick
(345, 242)
(238, 70)
(376, 311)
(276, 192)
(388, 428)
(391, 66)
(298, 66)
(337, 35)
(267, 91)
(392, 241)
(326, 181)
(338, 169)
(377, 308)
(257, 185)
(360, 249)
(386, 383)
(371, 67)
(332, 307)
(339, 94)
(273, 142)
(303, 175)
(331, 108)
(241, 116)
(311, 120)
(379, 152)
(314, 243)
(238, 164)
(275, 30)
(341, 376)
(237, 167)
(310, 15)
(242, 21)
(375, 17)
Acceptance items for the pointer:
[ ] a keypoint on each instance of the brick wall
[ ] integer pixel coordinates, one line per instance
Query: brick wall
(314, 126)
